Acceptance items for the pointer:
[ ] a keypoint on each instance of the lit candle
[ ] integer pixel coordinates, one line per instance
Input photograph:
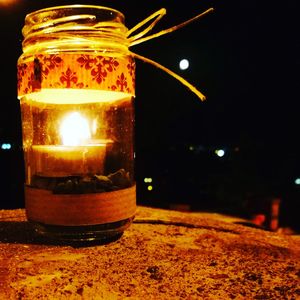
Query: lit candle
(78, 154)
(75, 96)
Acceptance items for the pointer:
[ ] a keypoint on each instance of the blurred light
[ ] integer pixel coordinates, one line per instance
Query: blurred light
(148, 179)
(297, 181)
(220, 152)
(6, 146)
(150, 187)
(184, 64)
(7, 2)
(191, 148)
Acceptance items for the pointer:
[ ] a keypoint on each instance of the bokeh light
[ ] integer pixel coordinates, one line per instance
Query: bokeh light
(184, 64)
(220, 152)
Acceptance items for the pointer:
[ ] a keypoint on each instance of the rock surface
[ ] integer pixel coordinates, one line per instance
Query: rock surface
(163, 255)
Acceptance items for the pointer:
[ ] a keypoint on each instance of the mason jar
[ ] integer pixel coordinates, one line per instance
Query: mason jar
(76, 86)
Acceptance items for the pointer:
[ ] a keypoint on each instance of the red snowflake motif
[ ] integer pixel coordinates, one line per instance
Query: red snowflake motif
(49, 62)
(68, 77)
(99, 73)
(86, 62)
(122, 82)
(131, 67)
(110, 63)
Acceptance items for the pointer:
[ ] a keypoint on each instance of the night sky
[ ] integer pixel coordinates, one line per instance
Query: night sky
(244, 57)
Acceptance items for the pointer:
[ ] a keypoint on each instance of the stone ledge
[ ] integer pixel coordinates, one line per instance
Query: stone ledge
(163, 255)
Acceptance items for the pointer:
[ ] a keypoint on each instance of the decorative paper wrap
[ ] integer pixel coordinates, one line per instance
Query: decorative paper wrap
(76, 71)
(83, 209)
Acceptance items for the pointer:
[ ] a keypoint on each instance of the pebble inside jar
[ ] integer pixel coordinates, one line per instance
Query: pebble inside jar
(76, 90)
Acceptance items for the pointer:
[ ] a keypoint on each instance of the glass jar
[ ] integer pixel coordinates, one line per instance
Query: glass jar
(76, 81)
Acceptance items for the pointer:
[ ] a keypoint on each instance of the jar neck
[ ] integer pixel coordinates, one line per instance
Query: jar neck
(75, 28)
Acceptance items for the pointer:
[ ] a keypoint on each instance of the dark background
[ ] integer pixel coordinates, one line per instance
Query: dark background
(244, 57)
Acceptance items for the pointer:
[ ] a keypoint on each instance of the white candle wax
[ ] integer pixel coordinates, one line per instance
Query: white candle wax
(61, 161)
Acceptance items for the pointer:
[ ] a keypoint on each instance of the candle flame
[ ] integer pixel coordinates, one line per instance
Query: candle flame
(74, 130)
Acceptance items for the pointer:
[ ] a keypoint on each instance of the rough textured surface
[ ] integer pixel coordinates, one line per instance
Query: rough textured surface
(163, 255)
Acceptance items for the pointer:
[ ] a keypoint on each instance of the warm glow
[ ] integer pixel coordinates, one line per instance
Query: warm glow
(74, 130)
(150, 188)
(94, 126)
(76, 96)
(7, 2)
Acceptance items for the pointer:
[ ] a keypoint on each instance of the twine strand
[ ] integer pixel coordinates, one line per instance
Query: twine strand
(176, 76)
(137, 40)
(158, 15)
(140, 38)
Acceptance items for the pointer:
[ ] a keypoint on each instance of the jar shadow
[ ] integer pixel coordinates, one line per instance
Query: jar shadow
(23, 232)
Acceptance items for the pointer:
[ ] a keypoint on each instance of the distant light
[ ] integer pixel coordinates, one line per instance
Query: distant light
(148, 179)
(297, 181)
(220, 152)
(191, 148)
(150, 187)
(6, 146)
(7, 2)
(184, 64)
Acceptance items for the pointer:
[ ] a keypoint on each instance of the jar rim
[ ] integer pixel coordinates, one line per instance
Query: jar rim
(79, 6)
(67, 20)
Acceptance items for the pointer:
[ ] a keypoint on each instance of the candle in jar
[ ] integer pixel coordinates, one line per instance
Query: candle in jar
(78, 154)
(61, 161)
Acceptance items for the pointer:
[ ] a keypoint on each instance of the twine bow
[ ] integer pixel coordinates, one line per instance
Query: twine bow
(141, 37)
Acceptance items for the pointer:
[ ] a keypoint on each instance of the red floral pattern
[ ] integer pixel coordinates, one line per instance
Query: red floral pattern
(131, 70)
(49, 62)
(33, 84)
(131, 67)
(99, 66)
(68, 77)
(76, 71)
(122, 82)
(110, 63)
(86, 61)
(20, 75)
(99, 73)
